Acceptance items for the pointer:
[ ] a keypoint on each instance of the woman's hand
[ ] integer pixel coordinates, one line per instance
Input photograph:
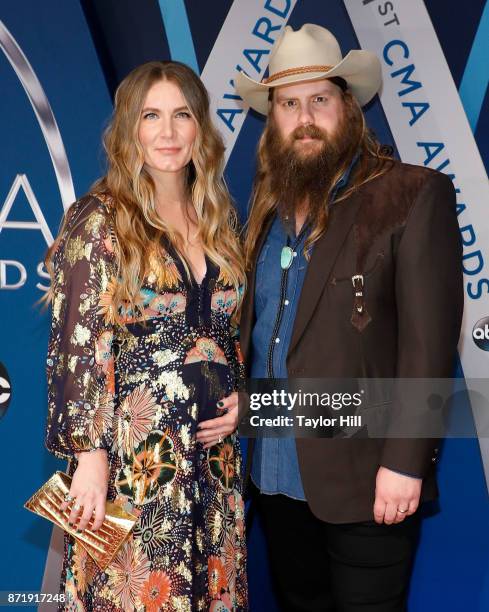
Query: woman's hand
(89, 490)
(215, 430)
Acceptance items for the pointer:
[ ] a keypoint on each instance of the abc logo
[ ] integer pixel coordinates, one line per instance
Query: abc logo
(480, 333)
(5, 390)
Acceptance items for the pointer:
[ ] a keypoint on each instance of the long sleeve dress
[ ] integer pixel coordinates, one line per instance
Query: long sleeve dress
(138, 391)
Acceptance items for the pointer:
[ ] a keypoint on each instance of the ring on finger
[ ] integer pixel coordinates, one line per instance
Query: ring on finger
(77, 507)
(69, 498)
(219, 439)
(402, 511)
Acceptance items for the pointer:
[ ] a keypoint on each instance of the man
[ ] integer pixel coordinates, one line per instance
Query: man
(354, 272)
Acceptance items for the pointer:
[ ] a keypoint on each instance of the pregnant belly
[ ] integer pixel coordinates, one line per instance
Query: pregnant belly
(210, 382)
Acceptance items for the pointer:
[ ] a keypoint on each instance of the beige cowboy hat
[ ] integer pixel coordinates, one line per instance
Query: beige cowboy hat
(309, 54)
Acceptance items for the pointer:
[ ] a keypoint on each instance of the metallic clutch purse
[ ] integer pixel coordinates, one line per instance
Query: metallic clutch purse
(101, 545)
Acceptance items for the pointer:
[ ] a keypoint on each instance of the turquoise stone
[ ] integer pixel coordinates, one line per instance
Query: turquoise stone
(286, 257)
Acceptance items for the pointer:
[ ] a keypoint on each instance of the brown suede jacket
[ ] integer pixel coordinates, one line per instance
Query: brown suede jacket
(400, 232)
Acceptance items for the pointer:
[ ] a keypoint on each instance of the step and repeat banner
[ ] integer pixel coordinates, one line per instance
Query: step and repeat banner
(60, 63)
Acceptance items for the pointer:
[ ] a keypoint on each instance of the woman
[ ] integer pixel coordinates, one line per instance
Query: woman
(143, 360)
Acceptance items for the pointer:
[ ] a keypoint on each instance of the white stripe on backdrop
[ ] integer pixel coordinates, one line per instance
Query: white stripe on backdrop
(245, 40)
(422, 105)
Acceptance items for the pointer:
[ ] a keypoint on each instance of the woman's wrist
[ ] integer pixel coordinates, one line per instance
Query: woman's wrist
(93, 452)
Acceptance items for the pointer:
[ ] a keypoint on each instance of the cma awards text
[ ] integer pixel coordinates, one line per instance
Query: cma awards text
(13, 273)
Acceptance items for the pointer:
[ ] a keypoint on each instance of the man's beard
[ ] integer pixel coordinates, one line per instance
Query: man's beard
(301, 173)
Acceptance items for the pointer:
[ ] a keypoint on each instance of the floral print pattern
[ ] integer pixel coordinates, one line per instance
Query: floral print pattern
(205, 349)
(156, 591)
(138, 390)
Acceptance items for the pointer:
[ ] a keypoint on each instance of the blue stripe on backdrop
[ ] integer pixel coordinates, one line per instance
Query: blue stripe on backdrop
(174, 15)
(205, 37)
(473, 87)
(456, 25)
(126, 34)
(482, 131)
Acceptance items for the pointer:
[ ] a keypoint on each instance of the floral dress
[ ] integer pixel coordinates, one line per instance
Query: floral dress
(139, 391)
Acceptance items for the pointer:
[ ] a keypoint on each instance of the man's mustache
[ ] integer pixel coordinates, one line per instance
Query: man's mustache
(308, 131)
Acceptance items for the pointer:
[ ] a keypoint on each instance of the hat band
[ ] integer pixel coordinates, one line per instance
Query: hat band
(292, 71)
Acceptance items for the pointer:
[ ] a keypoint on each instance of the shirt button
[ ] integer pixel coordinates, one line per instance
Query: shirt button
(277, 340)
(286, 302)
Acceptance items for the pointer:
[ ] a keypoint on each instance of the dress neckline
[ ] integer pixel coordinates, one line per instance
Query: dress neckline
(204, 278)
(211, 270)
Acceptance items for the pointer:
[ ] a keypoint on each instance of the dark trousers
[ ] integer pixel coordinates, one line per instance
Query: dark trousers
(318, 566)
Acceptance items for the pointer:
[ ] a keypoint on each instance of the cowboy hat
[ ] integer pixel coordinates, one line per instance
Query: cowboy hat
(308, 54)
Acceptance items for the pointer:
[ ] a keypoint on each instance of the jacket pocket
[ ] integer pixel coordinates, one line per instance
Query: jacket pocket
(375, 266)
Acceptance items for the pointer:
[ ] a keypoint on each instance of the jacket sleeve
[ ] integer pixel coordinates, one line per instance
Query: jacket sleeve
(80, 364)
(429, 296)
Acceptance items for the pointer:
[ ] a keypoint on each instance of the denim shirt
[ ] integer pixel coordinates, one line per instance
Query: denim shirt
(275, 467)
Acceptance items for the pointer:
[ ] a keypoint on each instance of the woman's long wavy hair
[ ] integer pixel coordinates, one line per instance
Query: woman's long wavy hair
(130, 189)
(374, 160)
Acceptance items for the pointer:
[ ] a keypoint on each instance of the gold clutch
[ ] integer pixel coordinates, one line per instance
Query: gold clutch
(101, 545)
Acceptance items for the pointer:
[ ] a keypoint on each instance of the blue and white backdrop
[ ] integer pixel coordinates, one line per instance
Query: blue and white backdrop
(59, 65)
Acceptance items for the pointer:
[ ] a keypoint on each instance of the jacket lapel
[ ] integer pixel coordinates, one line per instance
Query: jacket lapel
(248, 306)
(323, 257)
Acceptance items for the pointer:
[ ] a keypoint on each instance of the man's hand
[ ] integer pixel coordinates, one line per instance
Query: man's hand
(89, 490)
(215, 430)
(396, 496)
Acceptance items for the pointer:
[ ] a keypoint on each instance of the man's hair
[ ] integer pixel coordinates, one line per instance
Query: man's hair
(374, 160)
